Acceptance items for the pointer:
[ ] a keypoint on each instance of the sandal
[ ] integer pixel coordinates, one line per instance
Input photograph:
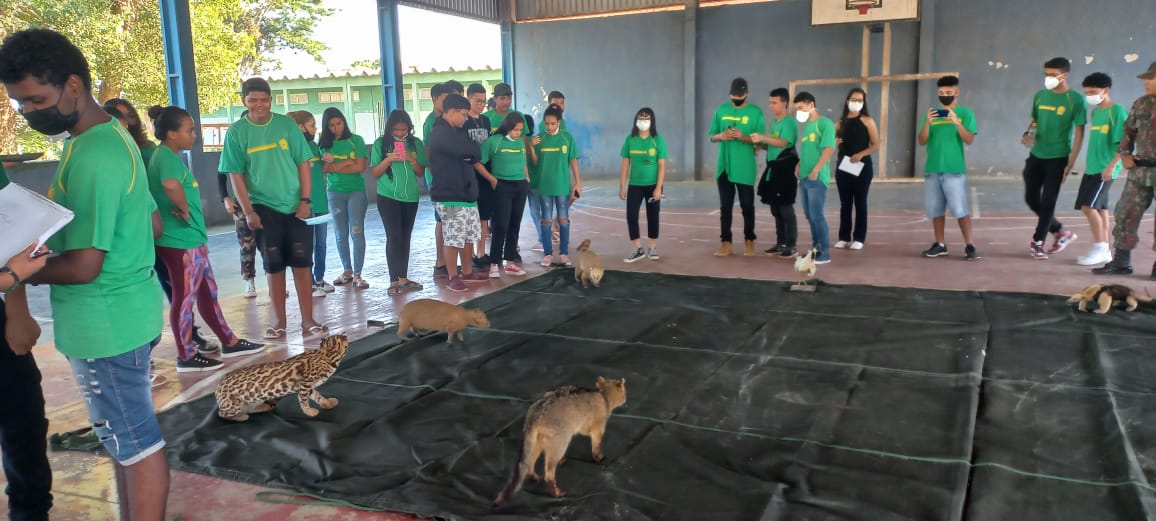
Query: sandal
(274, 333)
(359, 283)
(157, 380)
(314, 332)
(410, 285)
(393, 291)
(343, 280)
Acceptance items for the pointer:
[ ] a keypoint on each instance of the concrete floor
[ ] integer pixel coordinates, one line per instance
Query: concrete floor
(898, 232)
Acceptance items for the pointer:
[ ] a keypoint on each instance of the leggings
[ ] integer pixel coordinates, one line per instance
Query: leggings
(248, 245)
(193, 282)
(635, 195)
(397, 217)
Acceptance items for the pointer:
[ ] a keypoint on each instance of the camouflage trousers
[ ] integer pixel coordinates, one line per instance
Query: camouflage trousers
(248, 245)
(1134, 201)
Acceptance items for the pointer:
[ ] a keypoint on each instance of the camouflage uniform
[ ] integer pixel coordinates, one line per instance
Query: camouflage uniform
(1140, 141)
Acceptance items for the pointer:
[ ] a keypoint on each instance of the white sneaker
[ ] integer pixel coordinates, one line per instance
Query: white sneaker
(319, 291)
(1098, 255)
(856, 245)
(495, 271)
(840, 244)
(250, 289)
(326, 287)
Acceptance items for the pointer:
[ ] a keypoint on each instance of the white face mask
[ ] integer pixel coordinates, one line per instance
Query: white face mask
(1051, 82)
(643, 125)
(802, 116)
(511, 138)
(1095, 100)
(855, 106)
(553, 132)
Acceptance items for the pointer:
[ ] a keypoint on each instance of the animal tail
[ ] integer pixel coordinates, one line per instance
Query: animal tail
(584, 246)
(521, 469)
(1146, 298)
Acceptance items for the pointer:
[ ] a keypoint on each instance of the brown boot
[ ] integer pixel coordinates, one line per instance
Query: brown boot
(750, 249)
(724, 250)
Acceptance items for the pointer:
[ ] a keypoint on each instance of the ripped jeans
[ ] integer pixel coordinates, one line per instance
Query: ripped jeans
(348, 211)
(119, 398)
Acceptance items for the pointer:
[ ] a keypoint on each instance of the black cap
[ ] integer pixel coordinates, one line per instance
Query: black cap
(738, 87)
(503, 89)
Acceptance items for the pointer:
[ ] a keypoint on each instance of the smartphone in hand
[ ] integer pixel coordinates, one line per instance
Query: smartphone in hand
(399, 150)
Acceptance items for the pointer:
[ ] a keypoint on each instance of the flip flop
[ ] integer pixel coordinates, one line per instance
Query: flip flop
(393, 291)
(274, 333)
(411, 285)
(157, 380)
(314, 332)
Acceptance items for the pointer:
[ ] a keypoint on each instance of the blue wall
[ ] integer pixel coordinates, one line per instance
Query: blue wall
(609, 67)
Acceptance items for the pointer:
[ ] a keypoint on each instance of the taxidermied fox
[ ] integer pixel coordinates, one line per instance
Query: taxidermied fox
(1105, 295)
(552, 421)
(589, 268)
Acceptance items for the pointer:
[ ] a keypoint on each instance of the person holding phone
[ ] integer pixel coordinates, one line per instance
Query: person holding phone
(735, 170)
(558, 181)
(398, 160)
(946, 131)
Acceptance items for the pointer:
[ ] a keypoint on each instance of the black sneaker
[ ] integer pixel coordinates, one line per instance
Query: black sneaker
(971, 252)
(198, 363)
(636, 256)
(1112, 268)
(786, 252)
(203, 346)
(1154, 271)
(774, 251)
(935, 250)
(242, 348)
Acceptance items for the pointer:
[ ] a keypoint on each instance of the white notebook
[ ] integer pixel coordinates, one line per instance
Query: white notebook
(27, 217)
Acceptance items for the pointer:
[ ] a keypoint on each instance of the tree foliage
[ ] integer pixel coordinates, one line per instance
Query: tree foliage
(122, 40)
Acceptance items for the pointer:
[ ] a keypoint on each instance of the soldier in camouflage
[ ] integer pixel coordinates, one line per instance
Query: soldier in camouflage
(1138, 153)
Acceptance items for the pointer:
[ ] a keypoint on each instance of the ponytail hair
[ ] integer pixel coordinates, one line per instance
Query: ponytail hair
(167, 119)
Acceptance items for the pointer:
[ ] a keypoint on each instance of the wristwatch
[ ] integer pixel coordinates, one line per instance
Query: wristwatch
(307, 200)
(15, 278)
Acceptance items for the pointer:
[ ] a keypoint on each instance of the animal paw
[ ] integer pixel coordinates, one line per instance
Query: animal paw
(328, 403)
(598, 457)
(554, 490)
(310, 412)
(534, 478)
(237, 418)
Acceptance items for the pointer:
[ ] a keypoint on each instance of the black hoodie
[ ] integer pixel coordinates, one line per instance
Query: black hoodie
(452, 155)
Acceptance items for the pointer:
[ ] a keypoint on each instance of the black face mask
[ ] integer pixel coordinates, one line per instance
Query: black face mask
(947, 100)
(49, 121)
(738, 102)
(308, 136)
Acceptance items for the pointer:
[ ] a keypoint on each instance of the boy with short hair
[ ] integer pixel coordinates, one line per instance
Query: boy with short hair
(735, 171)
(816, 145)
(1102, 166)
(945, 132)
(782, 183)
(438, 94)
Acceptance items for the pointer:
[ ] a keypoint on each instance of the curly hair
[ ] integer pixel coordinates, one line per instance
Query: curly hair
(43, 54)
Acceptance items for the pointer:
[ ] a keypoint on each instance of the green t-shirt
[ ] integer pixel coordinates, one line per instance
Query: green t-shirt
(1104, 137)
(147, 151)
(945, 149)
(105, 184)
(554, 156)
(816, 136)
(320, 202)
(1056, 115)
(643, 154)
(736, 158)
(786, 129)
(268, 156)
(403, 186)
(3, 176)
(496, 120)
(507, 158)
(166, 164)
(428, 125)
(343, 150)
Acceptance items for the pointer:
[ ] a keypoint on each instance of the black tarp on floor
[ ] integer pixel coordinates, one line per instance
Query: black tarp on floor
(745, 402)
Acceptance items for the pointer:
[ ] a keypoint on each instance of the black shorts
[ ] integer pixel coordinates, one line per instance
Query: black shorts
(486, 199)
(284, 240)
(1093, 192)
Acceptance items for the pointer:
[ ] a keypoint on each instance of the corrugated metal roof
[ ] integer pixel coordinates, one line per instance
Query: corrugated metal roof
(362, 73)
(484, 10)
(538, 9)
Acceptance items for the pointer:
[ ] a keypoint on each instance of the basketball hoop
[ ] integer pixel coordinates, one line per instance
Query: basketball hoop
(863, 6)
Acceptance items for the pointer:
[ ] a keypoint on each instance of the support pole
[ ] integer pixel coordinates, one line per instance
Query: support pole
(388, 40)
(509, 16)
(885, 101)
(691, 139)
(180, 69)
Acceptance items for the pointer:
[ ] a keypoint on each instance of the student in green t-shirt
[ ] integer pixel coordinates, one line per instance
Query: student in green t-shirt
(1103, 165)
(731, 127)
(1057, 115)
(268, 161)
(507, 155)
(945, 132)
(320, 206)
(182, 244)
(782, 184)
(106, 302)
(643, 172)
(398, 160)
(558, 182)
(816, 145)
(437, 94)
(343, 157)
(555, 97)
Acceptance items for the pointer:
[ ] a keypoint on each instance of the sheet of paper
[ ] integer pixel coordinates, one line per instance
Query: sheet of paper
(851, 168)
(27, 217)
(320, 219)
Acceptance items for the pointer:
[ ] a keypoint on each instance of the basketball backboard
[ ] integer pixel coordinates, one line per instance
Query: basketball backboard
(832, 12)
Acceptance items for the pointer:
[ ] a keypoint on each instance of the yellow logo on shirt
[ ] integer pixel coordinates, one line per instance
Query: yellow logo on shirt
(653, 152)
(1047, 107)
(810, 138)
(731, 118)
(1060, 110)
(262, 148)
(565, 148)
(746, 119)
(196, 184)
(1103, 129)
(284, 144)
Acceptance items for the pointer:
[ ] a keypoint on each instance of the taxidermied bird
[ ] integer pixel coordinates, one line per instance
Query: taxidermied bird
(805, 265)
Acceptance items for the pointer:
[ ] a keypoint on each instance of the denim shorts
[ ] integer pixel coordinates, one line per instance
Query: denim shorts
(943, 191)
(119, 399)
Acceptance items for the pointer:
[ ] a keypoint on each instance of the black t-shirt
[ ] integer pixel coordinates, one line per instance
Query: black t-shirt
(477, 129)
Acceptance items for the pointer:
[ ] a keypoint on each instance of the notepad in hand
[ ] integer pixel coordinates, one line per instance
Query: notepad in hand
(851, 168)
(27, 217)
(320, 219)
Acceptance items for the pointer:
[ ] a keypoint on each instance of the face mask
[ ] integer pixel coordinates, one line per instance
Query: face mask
(643, 125)
(308, 136)
(855, 106)
(49, 121)
(1051, 82)
(1095, 100)
(947, 100)
(738, 102)
(511, 138)
(553, 132)
(802, 116)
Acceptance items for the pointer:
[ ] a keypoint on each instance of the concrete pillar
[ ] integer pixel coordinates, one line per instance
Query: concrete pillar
(692, 139)
(923, 98)
(388, 38)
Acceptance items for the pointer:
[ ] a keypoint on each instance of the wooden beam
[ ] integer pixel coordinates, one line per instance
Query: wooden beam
(873, 79)
(885, 102)
(866, 66)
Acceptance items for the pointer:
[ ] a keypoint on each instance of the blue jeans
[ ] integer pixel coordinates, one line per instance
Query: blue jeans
(814, 198)
(551, 204)
(535, 202)
(119, 398)
(348, 211)
(320, 250)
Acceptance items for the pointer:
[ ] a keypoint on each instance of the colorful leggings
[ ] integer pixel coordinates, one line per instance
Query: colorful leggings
(248, 246)
(1134, 201)
(193, 281)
